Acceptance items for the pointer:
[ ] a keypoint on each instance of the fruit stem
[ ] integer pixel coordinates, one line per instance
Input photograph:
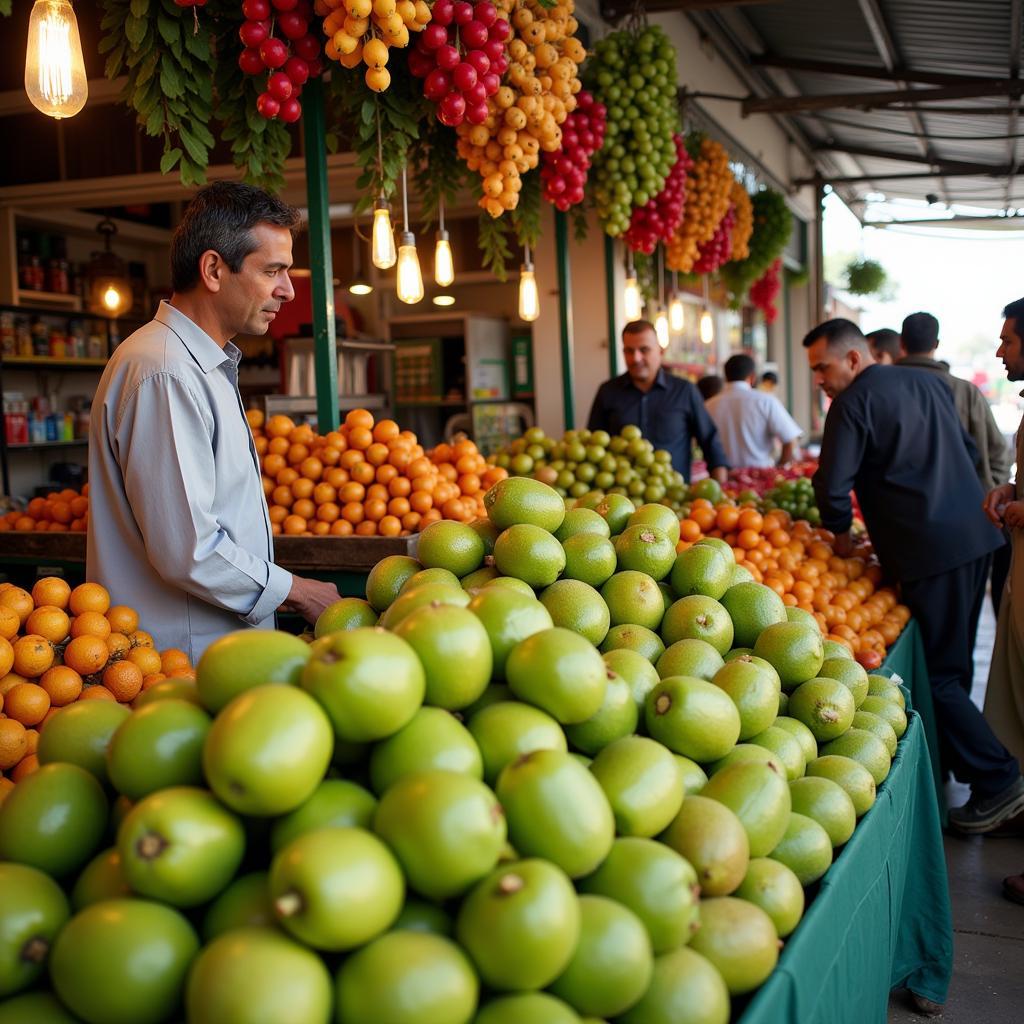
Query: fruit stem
(662, 703)
(509, 884)
(288, 904)
(151, 846)
(34, 951)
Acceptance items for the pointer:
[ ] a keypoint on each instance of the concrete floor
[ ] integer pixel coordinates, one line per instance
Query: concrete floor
(988, 965)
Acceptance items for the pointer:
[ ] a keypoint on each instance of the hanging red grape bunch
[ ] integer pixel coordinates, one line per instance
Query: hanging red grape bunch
(565, 173)
(765, 290)
(656, 221)
(278, 43)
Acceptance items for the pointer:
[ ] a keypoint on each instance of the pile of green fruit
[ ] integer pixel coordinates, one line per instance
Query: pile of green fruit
(593, 460)
(547, 771)
(795, 497)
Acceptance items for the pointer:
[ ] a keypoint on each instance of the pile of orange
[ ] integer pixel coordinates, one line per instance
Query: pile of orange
(797, 561)
(59, 645)
(58, 512)
(366, 478)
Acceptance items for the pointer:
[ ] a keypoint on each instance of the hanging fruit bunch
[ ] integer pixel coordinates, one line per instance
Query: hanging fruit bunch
(564, 173)
(634, 75)
(363, 32)
(765, 290)
(461, 58)
(773, 224)
(743, 227)
(278, 43)
(525, 115)
(658, 220)
(716, 253)
(708, 188)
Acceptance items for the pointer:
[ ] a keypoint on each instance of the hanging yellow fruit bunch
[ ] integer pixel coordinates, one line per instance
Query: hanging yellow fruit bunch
(526, 114)
(744, 225)
(363, 31)
(708, 190)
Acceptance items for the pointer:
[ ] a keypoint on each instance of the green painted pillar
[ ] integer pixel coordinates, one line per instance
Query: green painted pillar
(321, 264)
(609, 294)
(565, 316)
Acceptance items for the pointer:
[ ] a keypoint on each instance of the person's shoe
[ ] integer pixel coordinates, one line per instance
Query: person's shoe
(925, 1007)
(1013, 888)
(983, 814)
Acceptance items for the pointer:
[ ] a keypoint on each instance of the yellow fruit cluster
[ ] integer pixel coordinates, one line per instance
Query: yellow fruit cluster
(526, 114)
(708, 191)
(744, 226)
(362, 31)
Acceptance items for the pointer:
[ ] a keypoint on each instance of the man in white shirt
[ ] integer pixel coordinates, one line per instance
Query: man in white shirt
(749, 421)
(178, 526)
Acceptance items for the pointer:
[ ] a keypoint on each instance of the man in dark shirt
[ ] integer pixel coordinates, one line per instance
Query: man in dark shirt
(892, 434)
(668, 410)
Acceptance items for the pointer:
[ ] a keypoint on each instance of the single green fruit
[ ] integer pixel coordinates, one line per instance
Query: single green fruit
(746, 752)
(740, 940)
(487, 532)
(386, 579)
(535, 1007)
(123, 962)
(800, 732)
(615, 509)
(513, 584)
(693, 776)
(870, 722)
(773, 887)
(423, 595)
(685, 988)
(692, 717)
(785, 747)
(851, 775)
(348, 613)
(882, 686)
(825, 706)
(589, 558)
(703, 570)
(169, 689)
(865, 748)
(32, 911)
(425, 577)
(827, 803)
(616, 717)
(850, 674)
(802, 616)
(805, 849)
(633, 598)
(81, 734)
(889, 711)
(758, 794)
(446, 544)
(247, 658)
(335, 803)
(101, 879)
(754, 692)
(710, 836)
(636, 639)
(577, 606)
(245, 903)
(643, 784)
(420, 916)
(639, 674)
(581, 520)
(646, 549)
(690, 657)
(793, 649)
(660, 516)
(698, 618)
(35, 1008)
(740, 575)
(516, 500)
(752, 607)
(529, 553)
(477, 579)
(507, 730)
(508, 617)
(746, 655)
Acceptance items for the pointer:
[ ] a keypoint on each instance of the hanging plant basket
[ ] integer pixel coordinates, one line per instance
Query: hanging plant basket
(865, 277)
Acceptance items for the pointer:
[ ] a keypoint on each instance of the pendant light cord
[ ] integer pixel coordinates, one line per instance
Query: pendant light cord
(405, 199)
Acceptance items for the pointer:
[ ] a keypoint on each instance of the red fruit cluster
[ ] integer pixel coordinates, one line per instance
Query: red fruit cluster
(461, 56)
(658, 219)
(716, 253)
(565, 173)
(765, 290)
(190, 3)
(289, 58)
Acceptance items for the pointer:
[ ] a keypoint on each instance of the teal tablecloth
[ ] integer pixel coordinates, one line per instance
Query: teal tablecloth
(881, 918)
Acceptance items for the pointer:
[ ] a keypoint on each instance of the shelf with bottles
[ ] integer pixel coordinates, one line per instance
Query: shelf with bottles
(32, 338)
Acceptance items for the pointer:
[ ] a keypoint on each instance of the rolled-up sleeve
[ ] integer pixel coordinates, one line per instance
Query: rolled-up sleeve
(780, 423)
(842, 451)
(162, 424)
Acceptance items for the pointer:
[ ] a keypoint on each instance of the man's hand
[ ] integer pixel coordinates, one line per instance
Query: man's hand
(995, 500)
(720, 473)
(843, 545)
(310, 597)
(1013, 514)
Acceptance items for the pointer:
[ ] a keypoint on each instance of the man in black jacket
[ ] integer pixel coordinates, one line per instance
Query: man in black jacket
(892, 434)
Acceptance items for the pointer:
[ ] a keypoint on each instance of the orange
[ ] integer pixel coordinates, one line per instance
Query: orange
(328, 512)
(363, 473)
(389, 526)
(279, 426)
(367, 528)
(27, 765)
(13, 743)
(32, 735)
(123, 679)
(255, 418)
(359, 418)
(123, 619)
(50, 622)
(33, 655)
(341, 528)
(118, 644)
(63, 685)
(386, 430)
(19, 601)
(91, 623)
(97, 693)
(6, 656)
(360, 438)
(172, 659)
(10, 622)
(294, 525)
(51, 590)
(146, 659)
(86, 654)
(152, 679)
(89, 597)
(27, 703)
(140, 638)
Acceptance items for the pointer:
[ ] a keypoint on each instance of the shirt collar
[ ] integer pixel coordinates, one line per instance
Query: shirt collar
(660, 381)
(737, 385)
(203, 349)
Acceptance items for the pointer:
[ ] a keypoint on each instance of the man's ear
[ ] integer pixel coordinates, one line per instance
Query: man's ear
(211, 270)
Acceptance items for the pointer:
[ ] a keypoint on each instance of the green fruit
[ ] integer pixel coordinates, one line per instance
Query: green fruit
(369, 681)
(657, 515)
(449, 545)
(612, 965)
(865, 748)
(709, 489)
(745, 753)
(870, 722)
(710, 836)
(101, 879)
(577, 606)
(560, 672)
(693, 776)
(804, 617)
(428, 577)
(557, 810)
(348, 613)
(758, 795)
(81, 734)
(520, 925)
(419, 916)
(615, 510)
(800, 732)
(180, 846)
(507, 730)
(643, 785)
(53, 819)
(646, 549)
(698, 618)
(690, 657)
(889, 711)
(639, 674)
(335, 803)
(634, 598)
(835, 651)
(245, 903)
(254, 975)
(785, 748)
(851, 775)
(825, 706)
(267, 751)
(32, 911)
(754, 692)
(434, 740)
(386, 579)
(518, 500)
(589, 558)
(455, 652)
(529, 553)
(685, 989)
(169, 689)
(479, 578)
(692, 717)
(617, 717)
(581, 520)
(513, 584)
(159, 746)
(773, 887)
(850, 674)
(535, 1007)
(881, 686)
(247, 658)
(793, 649)
(740, 575)
(637, 639)
(407, 977)
(35, 1008)
(740, 940)
(703, 570)
(718, 544)
(508, 617)
(487, 532)
(827, 803)
(336, 888)
(411, 598)
(123, 962)
(446, 830)
(752, 607)
(805, 849)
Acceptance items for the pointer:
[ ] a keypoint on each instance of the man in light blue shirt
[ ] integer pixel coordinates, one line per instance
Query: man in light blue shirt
(750, 421)
(178, 523)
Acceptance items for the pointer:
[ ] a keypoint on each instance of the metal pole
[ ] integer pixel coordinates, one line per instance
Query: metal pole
(565, 316)
(609, 291)
(819, 251)
(325, 357)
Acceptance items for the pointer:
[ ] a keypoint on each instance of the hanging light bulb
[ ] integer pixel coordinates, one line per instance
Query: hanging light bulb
(383, 241)
(410, 277)
(707, 326)
(54, 66)
(676, 313)
(632, 300)
(360, 283)
(529, 299)
(444, 263)
(109, 287)
(661, 327)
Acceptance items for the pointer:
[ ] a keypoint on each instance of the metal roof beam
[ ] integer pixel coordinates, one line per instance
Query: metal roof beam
(981, 171)
(880, 74)
(613, 10)
(1016, 32)
(941, 166)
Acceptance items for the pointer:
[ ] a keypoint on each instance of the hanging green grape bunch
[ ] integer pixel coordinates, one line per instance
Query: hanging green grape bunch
(634, 75)
(773, 224)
